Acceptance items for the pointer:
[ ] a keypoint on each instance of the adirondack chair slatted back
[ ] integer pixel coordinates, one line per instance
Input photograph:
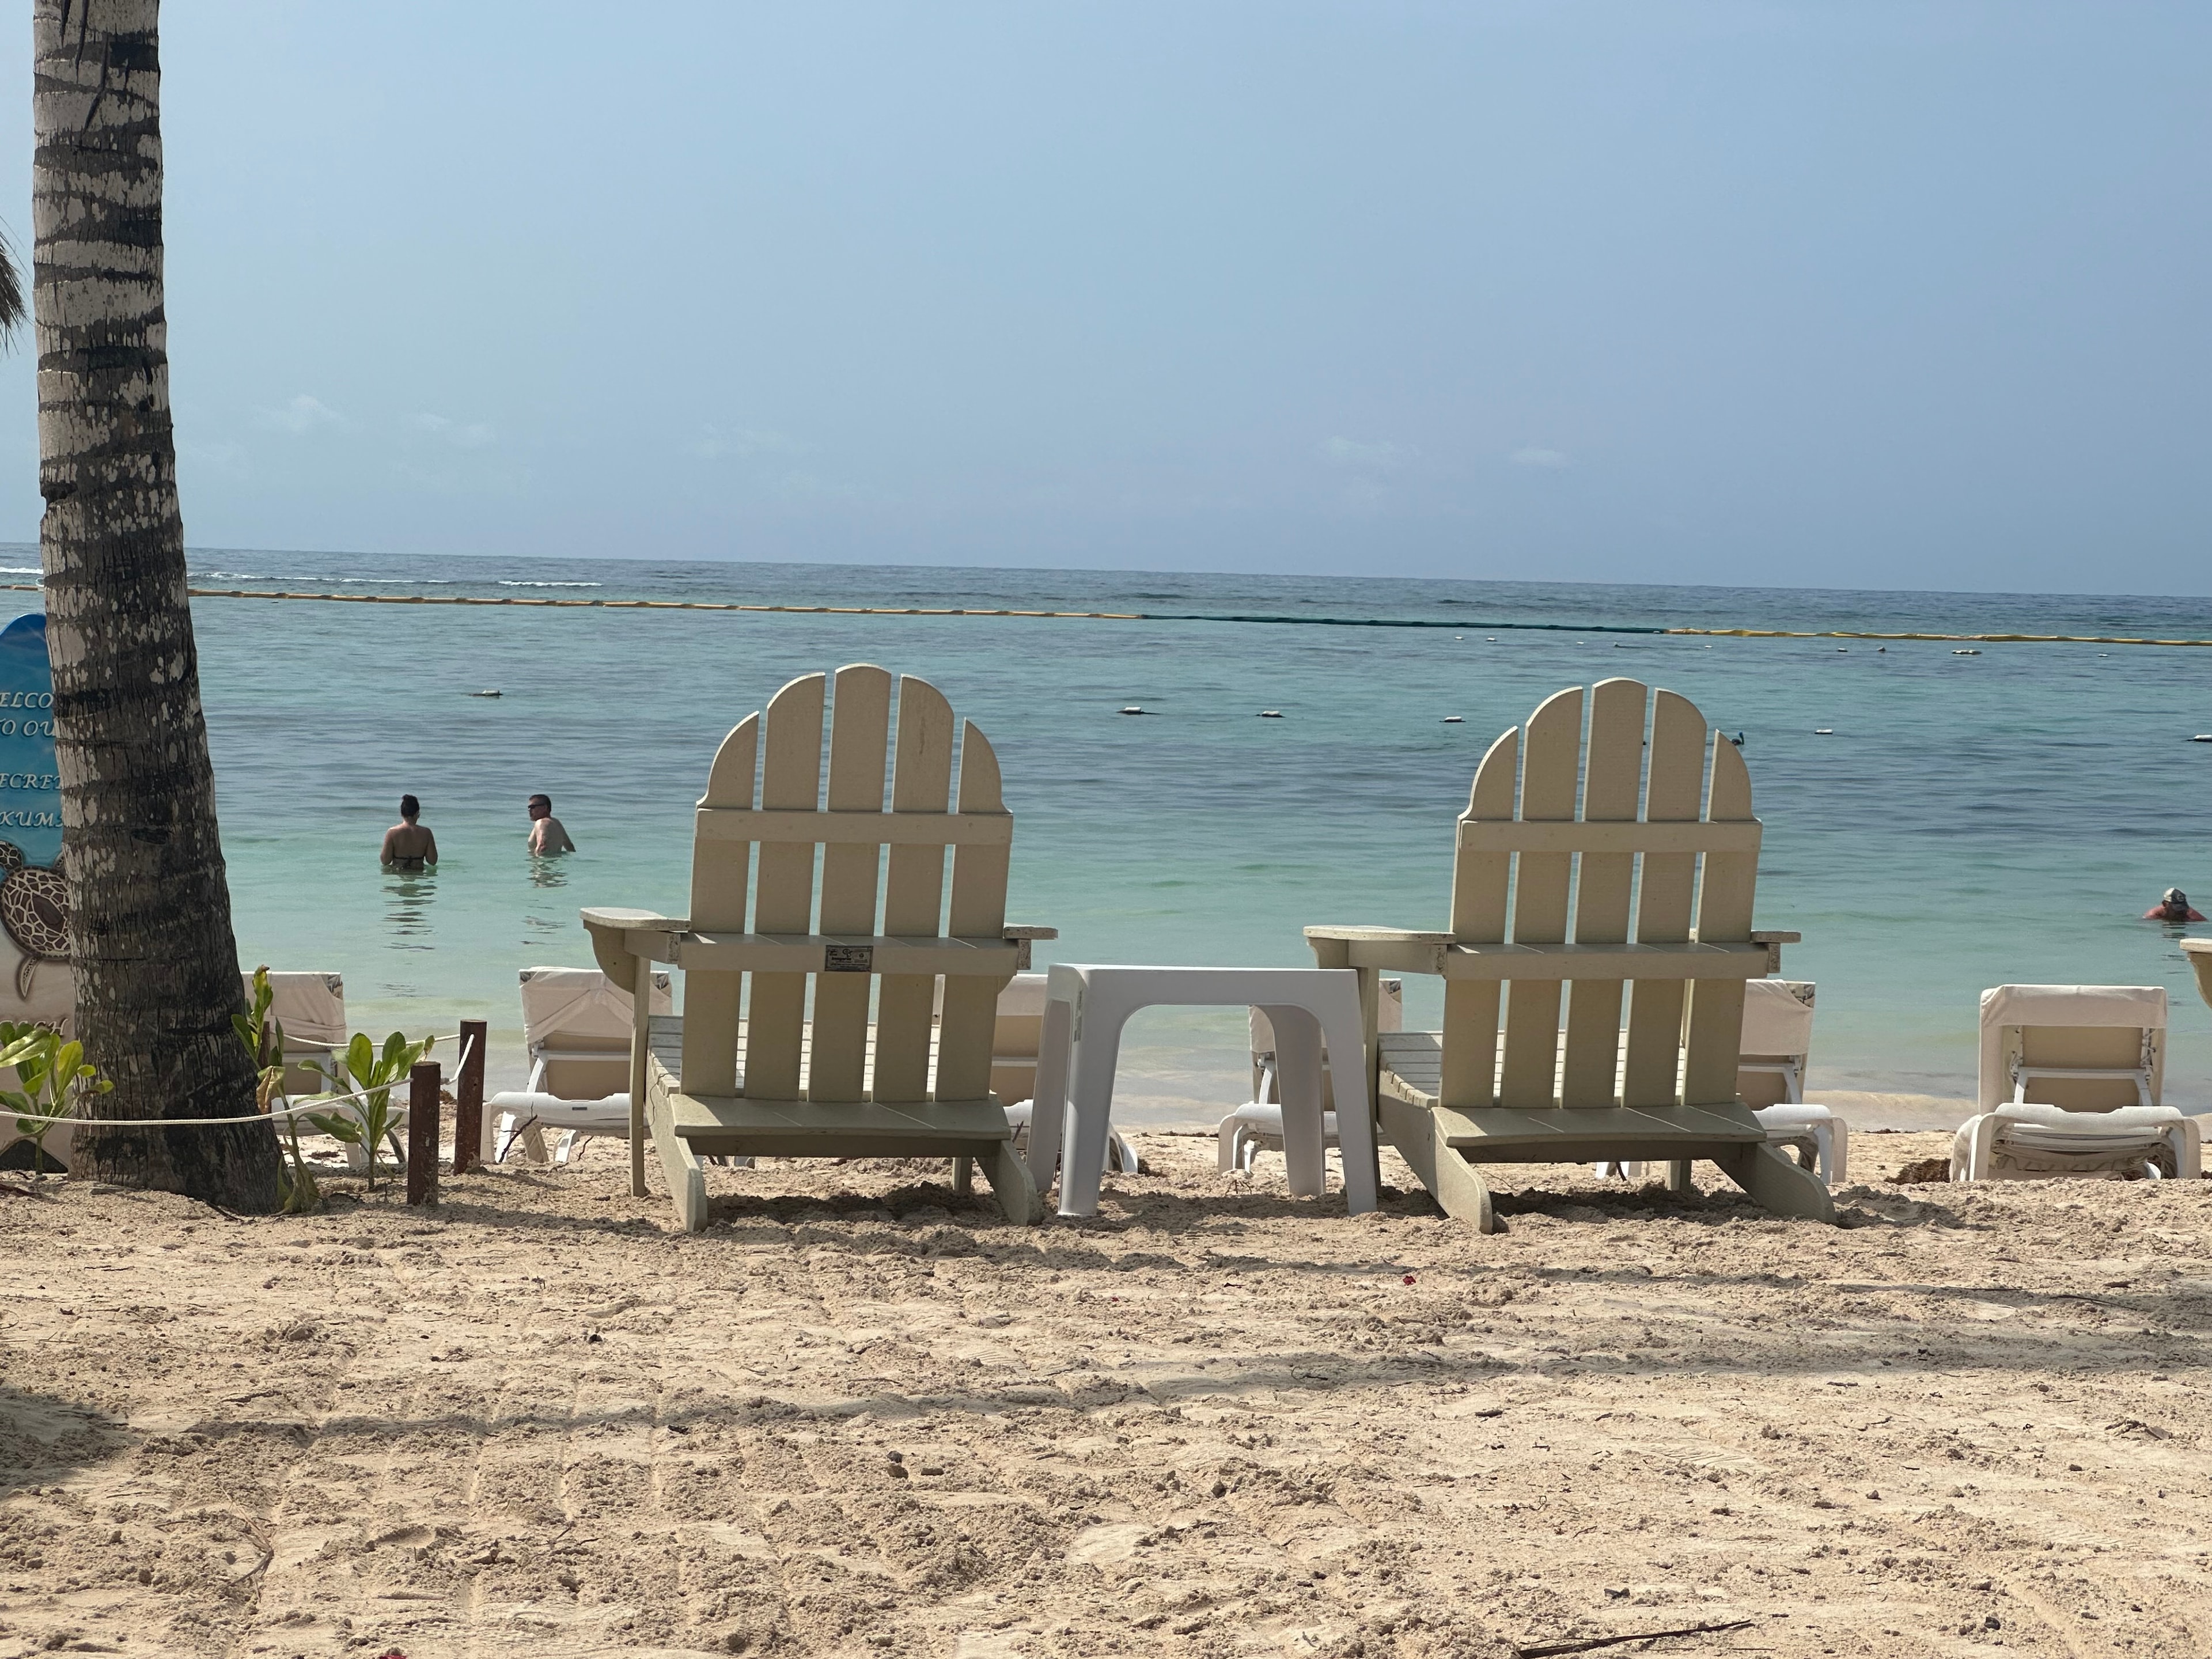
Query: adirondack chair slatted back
(783, 751)
(1644, 760)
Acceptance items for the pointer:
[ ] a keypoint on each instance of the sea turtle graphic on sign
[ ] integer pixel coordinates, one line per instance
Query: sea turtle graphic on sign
(33, 897)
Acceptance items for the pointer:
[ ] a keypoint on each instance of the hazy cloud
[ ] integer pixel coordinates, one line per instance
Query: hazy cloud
(1377, 456)
(303, 414)
(225, 458)
(714, 442)
(1532, 456)
(470, 435)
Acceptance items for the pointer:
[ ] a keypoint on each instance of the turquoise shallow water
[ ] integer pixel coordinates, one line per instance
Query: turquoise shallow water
(1970, 820)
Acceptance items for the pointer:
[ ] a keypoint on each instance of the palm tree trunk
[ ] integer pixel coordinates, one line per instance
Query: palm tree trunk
(156, 964)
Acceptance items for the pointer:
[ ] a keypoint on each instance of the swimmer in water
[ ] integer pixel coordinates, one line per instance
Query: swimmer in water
(546, 835)
(408, 846)
(2173, 906)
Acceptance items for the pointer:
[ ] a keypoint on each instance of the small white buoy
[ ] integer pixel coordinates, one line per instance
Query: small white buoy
(1133, 709)
(1843, 651)
(1966, 654)
(483, 693)
(2201, 737)
(1454, 720)
(1492, 640)
(1824, 730)
(1271, 713)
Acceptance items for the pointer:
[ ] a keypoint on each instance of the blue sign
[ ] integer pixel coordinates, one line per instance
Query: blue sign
(30, 788)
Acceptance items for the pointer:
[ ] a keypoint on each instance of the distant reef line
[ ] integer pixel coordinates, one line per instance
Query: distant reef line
(1458, 627)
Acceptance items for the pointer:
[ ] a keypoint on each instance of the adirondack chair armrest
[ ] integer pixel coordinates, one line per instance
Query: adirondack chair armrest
(1774, 940)
(2199, 952)
(1023, 937)
(613, 943)
(1393, 949)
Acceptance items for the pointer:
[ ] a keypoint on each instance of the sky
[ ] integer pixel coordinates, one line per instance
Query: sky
(1844, 294)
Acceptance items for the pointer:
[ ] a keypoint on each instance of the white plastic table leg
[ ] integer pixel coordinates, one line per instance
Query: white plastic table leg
(1355, 1112)
(1297, 1074)
(1090, 1096)
(1048, 1100)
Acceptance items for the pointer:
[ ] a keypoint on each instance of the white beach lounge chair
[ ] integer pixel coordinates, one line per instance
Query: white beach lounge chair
(780, 1084)
(1257, 1126)
(1770, 1077)
(2071, 1081)
(311, 1006)
(575, 1029)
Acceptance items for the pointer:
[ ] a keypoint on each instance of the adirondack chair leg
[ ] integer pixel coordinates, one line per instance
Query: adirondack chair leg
(964, 1175)
(1011, 1184)
(1457, 1187)
(687, 1176)
(1678, 1177)
(1779, 1182)
(1462, 1192)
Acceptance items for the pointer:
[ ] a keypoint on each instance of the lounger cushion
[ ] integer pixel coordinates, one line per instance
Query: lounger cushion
(2048, 1141)
(1778, 1017)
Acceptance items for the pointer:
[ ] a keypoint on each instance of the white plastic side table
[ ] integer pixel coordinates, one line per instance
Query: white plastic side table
(1086, 1005)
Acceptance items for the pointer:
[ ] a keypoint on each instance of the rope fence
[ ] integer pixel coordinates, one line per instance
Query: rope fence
(319, 1103)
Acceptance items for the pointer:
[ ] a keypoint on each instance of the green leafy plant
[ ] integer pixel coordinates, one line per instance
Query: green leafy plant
(369, 1121)
(55, 1079)
(264, 1037)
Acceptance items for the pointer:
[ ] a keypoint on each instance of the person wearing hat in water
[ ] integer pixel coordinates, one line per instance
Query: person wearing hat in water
(408, 846)
(2173, 906)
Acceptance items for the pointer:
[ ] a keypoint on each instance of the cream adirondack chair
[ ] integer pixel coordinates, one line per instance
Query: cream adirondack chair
(740, 1071)
(1557, 827)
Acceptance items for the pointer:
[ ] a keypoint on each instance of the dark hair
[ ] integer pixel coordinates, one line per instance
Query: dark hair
(547, 798)
(409, 807)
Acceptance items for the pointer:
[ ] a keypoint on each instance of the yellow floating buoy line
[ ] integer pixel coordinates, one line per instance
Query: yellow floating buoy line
(630, 605)
(1985, 639)
(1144, 616)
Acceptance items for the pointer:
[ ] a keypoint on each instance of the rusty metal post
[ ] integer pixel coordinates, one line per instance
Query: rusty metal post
(468, 1096)
(422, 1133)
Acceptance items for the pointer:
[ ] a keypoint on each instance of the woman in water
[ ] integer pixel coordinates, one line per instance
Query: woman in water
(408, 846)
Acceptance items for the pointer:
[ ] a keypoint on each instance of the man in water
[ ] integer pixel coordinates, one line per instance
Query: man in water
(546, 835)
(407, 845)
(2173, 906)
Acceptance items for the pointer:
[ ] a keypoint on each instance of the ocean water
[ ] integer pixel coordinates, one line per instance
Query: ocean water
(1966, 822)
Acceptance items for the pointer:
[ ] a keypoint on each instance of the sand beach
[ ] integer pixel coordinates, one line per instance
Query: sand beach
(859, 1416)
